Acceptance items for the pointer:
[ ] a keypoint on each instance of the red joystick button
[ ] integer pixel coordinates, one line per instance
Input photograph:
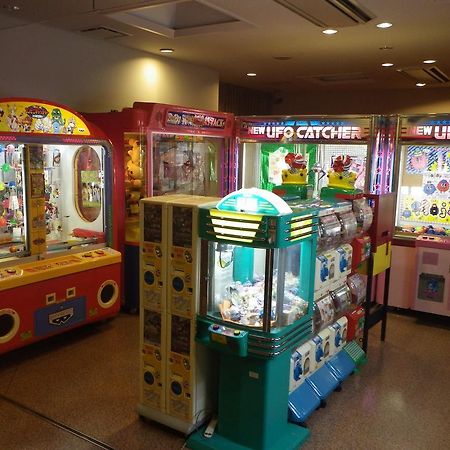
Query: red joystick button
(216, 327)
(11, 271)
(237, 332)
(99, 252)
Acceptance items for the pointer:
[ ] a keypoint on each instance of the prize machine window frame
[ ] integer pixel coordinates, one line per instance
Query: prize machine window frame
(418, 181)
(221, 173)
(38, 173)
(373, 140)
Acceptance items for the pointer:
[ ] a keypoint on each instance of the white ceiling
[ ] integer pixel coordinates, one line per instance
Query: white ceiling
(239, 36)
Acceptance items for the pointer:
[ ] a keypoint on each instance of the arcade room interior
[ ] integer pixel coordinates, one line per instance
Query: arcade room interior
(224, 224)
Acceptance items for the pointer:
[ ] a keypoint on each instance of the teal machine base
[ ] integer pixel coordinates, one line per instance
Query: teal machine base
(290, 438)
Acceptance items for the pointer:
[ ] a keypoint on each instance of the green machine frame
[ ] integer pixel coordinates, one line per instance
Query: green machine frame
(254, 361)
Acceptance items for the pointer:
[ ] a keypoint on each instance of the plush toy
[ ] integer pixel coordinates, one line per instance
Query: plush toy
(134, 174)
(135, 151)
(340, 176)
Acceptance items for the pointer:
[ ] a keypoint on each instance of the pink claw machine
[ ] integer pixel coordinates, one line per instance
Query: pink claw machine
(162, 149)
(422, 219)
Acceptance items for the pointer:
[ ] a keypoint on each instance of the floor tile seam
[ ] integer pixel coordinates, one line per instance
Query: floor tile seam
(57, 424)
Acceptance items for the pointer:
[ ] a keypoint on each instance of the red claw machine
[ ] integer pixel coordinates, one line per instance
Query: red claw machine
(57, 267)
(162, 149)
(422, 221)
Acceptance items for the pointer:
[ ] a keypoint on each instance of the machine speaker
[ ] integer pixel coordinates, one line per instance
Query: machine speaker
(107, 294)
(9, 324)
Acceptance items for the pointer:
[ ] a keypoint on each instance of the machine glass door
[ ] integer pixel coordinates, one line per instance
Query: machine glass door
(13, 235)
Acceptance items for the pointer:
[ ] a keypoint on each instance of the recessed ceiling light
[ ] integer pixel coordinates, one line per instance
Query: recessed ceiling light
(329, 31)
(166, 50)
(429, 61)
(11, 7)
(421, 84)
(251, 74)
(386, 47)
(387, 64)
(384, 25)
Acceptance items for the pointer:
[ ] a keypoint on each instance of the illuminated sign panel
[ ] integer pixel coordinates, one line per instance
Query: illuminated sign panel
(307, 130)
(426, 129)
(195, 120)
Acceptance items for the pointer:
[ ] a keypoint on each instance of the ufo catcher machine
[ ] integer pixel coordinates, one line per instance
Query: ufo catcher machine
(292, 155)
(422, 222)
(162, 149)
(57, 267)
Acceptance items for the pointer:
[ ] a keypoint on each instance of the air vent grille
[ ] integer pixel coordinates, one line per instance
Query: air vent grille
(103, 33)
(429, 75)
(329, 13)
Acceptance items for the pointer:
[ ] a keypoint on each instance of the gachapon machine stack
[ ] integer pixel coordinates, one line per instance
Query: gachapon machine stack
(58, 269)
(422, 219)
(162, 149)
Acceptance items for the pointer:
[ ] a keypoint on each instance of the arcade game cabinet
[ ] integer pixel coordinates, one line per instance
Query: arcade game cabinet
(162, 149)
(422, 220)
(57, 267)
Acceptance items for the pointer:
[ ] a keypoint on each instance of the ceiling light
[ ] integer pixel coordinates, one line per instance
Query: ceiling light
(387, 64)
(429, 61)
(384, 25)
(166, 50)
(421, 84)
(251, 74)
(329, 31)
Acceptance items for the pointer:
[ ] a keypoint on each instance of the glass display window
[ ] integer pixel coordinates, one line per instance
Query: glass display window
(186, 164)
(423, 201)
(237, 288)
(12, 201)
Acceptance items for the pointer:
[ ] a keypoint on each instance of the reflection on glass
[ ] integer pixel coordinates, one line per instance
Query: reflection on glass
(12, 220)
(237, 285)
(186, 164)
(74, 195)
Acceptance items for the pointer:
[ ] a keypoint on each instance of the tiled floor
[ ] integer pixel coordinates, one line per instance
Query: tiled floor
(80, 390)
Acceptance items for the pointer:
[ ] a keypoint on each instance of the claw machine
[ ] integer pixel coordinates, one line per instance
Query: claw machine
(274, 152)
(256, 304)
(422, 221)
(162, 149)
(58, 269)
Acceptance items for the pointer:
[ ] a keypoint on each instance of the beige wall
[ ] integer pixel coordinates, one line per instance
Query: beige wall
(408, 101)
(91, 75)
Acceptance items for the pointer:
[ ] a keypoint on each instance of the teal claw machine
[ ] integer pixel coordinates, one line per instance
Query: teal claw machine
(257, 287)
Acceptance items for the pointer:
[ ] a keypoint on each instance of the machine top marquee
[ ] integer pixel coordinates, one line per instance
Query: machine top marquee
(33, 116)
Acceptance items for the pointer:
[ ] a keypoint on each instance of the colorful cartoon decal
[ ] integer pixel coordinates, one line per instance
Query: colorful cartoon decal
(425, 159)
(24, 117)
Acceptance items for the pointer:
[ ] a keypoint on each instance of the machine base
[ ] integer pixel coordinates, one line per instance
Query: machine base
(169, 421)
(302, 403)
(323, 382)
(291, 438)
(341, 365)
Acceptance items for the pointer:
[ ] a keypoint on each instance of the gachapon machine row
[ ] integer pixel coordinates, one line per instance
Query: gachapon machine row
(278, 152)
(423, 209)
(162, 149)
(57, 267)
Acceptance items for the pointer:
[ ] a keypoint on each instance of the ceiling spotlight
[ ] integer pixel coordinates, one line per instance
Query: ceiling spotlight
(387, 64)
(429, 61)
(251, 74)
(421, 84)
(166, 50)
(384, 25)
(329, 31)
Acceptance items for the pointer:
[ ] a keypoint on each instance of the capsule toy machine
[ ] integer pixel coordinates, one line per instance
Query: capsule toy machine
(422, 209)
(58, 269)
(279, 152)
(162, 149)
(255, 310)
(177, 381)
